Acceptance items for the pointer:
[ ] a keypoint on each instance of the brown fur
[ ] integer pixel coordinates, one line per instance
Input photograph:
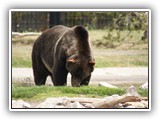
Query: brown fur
(60, 50)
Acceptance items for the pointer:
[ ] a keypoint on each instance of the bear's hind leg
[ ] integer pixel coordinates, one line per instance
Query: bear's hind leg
(40, 73)
(40, 78)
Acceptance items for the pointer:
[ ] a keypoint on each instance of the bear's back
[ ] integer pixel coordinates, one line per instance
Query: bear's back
(55, 32)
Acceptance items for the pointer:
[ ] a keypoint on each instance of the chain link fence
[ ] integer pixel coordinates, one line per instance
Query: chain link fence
(39, 21)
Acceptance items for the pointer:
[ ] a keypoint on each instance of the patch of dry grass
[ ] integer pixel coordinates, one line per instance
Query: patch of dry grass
(22, 48)
(21, 55)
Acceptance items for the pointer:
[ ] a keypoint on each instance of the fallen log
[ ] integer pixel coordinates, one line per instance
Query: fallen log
(85, 100)
(114, 101)
(131, 95)
(109, 102)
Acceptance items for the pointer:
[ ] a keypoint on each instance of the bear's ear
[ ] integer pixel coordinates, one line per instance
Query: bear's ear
(81, 33)
(91, 63)
(71, 60)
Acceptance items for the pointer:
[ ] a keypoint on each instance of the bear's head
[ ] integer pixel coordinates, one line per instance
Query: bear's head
(80, 69)
(80, 62)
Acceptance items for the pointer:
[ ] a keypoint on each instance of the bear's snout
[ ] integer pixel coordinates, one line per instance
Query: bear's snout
(75, 83)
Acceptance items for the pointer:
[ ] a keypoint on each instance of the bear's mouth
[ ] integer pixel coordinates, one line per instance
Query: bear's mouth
(75, 83)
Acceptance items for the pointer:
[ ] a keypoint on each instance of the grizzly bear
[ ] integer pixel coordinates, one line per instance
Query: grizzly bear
(61, 50)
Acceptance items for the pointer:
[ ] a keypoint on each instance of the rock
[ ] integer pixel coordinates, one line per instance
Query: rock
(59, 103)
(76, 104)
(120, 105)
(107, 85)
(135, 104)
(88, 105)
(59, 106)
(130, 107)
(20, 104)
(66, 102)
(144, 86)
(145, 103)
(48, 103)
(54, 103)
(132, 91)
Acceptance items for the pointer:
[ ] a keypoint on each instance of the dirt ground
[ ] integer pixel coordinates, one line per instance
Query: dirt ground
(116, 76)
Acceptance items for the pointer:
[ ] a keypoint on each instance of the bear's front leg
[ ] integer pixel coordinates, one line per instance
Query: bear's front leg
(59, 76)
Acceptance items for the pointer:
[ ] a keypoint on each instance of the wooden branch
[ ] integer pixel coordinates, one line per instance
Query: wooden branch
(131, 95)
(108, 102)
(114, 101)
(85, 100)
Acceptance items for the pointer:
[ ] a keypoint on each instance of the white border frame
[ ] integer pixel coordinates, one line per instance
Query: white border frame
(77, 10)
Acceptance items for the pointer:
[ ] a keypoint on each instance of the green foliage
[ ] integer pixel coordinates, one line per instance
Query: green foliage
(122, 20)
(113, 20)
(93, 90)
(42, 92)
(143, 92)
(131, 21)
(21, 62)
(34, 93)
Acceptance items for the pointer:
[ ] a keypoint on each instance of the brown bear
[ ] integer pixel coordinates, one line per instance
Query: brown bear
(60, 50)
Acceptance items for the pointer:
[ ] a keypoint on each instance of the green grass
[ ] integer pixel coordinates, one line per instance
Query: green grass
(43, 92)
(21, 62)
(38, 93)
(143, 92)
